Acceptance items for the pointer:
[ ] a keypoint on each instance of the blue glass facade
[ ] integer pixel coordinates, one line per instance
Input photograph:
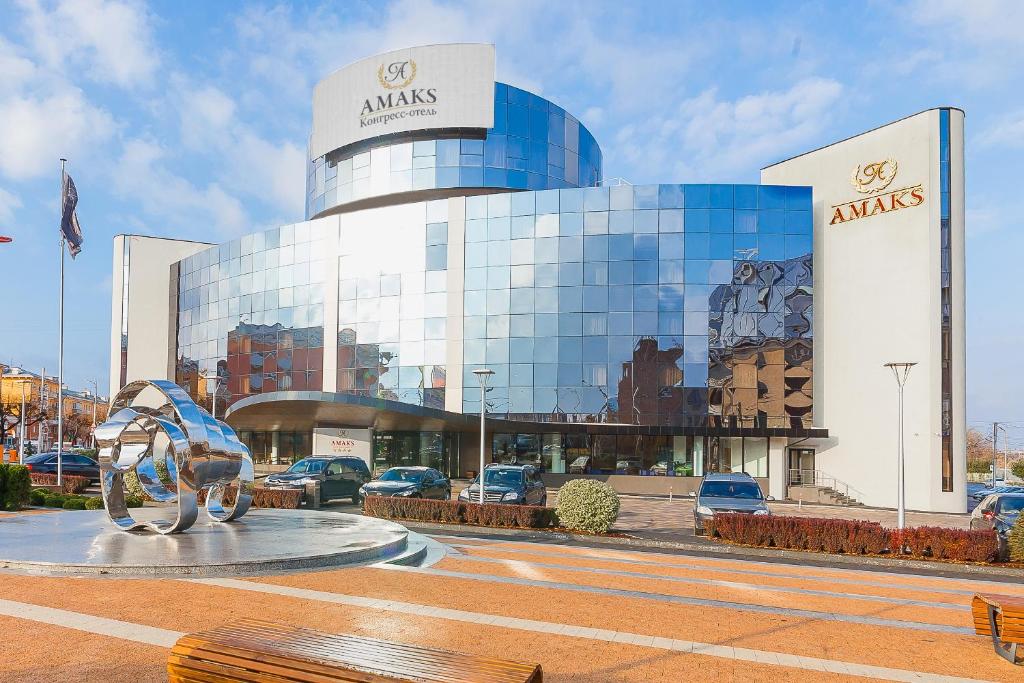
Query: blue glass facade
(534, 145)
(685, 305)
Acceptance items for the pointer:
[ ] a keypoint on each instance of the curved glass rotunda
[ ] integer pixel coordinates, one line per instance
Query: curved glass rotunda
(637, 330)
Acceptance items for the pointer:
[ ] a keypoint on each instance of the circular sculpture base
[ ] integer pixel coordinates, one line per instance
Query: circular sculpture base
(85, 542)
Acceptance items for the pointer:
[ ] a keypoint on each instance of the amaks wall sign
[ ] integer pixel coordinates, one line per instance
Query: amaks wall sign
(874, 179)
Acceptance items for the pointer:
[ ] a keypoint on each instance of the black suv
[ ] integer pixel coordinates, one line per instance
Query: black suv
(340, 477)
(515, 484)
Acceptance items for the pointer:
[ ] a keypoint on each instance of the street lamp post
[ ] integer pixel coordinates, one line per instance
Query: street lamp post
(900, 371)
(95, 391)
(216, 380)
(21, 435)
(483, 374)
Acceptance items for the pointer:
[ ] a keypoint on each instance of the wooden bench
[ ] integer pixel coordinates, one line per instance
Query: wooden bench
(1002, 618)
(255, 650)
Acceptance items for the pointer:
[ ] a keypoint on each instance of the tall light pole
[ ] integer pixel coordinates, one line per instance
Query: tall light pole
(21, 435)
(95, 391)
(901, 371)
(216, 380)
(483, 374)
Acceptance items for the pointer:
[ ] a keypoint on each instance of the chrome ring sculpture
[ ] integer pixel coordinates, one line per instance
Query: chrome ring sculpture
(198, 451)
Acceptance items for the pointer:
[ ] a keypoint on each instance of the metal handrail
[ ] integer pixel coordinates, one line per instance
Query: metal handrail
(823, 480)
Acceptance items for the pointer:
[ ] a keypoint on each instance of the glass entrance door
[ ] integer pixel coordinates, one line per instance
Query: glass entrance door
(801, 465)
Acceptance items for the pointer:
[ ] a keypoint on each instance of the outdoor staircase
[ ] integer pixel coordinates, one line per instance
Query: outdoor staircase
(815, 486)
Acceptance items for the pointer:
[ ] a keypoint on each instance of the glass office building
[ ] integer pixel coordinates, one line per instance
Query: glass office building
(646, 334)
(656, 329)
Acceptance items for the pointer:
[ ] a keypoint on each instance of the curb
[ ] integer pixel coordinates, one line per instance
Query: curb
(795, 557)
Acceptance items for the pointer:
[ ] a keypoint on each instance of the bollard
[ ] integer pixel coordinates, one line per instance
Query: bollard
(312, 497)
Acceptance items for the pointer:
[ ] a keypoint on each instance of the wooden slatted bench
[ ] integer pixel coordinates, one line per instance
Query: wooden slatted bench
(265, 652)
(1002, 618)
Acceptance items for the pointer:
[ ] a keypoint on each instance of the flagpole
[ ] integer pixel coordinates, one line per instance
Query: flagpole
(60, 342)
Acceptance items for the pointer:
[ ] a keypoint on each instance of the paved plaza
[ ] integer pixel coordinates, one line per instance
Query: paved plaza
(585, 614)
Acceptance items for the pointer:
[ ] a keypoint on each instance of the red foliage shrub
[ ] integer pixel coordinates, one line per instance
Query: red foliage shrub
(285, 499)
(456, 512)
(853, 537)
(70, 483)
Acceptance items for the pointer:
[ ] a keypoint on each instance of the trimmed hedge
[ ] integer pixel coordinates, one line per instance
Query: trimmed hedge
(38, 497)
(74, 504)
(95, 503)
(458, 512)
(852, 537)
(15, 486)
(587, 505)
(70, 483)
(283, 499)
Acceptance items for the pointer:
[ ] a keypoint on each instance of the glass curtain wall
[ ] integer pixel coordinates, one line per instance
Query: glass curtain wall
(660, 455)
(250, 316)
(683, 305)
(534, 145)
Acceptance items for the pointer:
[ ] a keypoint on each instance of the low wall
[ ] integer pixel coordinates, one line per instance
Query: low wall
(632, 484)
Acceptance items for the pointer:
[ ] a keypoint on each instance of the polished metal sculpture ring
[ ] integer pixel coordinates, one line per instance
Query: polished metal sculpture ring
(155, 422)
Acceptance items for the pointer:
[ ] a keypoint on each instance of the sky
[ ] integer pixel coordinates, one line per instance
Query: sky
(190, 120)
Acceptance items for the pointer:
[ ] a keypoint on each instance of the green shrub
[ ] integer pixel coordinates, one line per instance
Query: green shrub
(74, 504)
(133, 501)
(95, 503)
(133, 486)
(15, 486)
(979, 465)
(587, 505)
(38, 497)
(1018, 469)
(54, 500)
(1016, 541)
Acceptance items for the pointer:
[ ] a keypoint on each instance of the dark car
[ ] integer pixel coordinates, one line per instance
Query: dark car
(998, 511)
(409, 482)
(71, 463)
(982, 493)
(720, 493)
(515, 484)
(339, 477)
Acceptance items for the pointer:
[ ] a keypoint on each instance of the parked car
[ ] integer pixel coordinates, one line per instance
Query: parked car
(983, 493)
(720, 493)
(410, 482)
(71, 463)
(998, 511)
(516, 484)
(339, 477)
(630, 466)
(580, 465)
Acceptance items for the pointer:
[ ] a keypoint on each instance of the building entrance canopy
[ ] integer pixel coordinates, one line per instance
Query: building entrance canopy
(303, 410)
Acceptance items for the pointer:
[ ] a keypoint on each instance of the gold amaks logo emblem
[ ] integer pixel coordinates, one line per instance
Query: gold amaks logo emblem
(396, 75)
(874, 177)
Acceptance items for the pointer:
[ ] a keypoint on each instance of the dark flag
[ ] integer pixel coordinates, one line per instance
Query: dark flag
(69, 219)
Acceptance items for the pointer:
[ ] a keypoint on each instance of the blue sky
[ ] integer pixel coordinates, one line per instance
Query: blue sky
(190, 119)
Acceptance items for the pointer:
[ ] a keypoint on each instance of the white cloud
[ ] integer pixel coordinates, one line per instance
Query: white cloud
(111, 39)
(1005, 132)
(38, 130)
(8, 203)
(194, 212)
(707, 137)
(247, 163)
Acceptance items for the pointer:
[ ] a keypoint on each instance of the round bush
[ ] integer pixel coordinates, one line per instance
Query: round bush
(54, 500)
(587, 505)
(74, 504)
(1016, 540)
(37, 497)
(133, 501)
(94, 503)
